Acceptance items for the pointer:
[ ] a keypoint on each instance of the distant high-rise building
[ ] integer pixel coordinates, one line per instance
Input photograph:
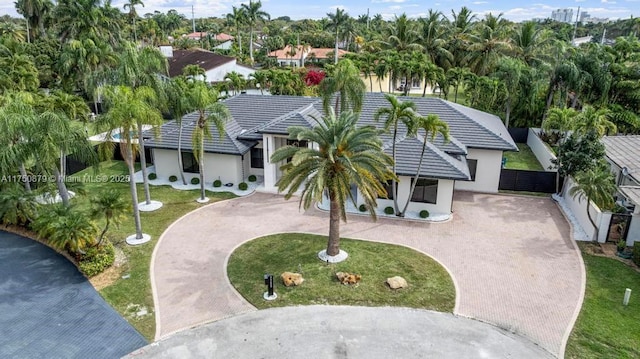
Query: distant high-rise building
(562, 15)
(584, 17)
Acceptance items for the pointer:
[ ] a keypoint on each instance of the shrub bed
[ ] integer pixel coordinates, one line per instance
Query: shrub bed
(389, 210)
(152, 176)
(195, 180)
(243, 186)
(424, 213)
(97, 259)
(217, 183)
(173, 178)
(362, 208)
(252, 178)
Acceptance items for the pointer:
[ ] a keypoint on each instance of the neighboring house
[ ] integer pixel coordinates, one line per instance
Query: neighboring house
(470, 161)
(225, 41)
(302, 54)
(387, 84)
(623, 153)
(216, 66)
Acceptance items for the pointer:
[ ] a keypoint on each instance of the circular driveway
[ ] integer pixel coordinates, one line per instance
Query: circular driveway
(511, 258)
(49, 310)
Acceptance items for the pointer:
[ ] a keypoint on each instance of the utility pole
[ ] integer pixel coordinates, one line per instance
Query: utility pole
(604, 33)
(575, 28)
(193, 19)
(368, 19)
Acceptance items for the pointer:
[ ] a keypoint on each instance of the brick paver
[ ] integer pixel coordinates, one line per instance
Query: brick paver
(511, 257)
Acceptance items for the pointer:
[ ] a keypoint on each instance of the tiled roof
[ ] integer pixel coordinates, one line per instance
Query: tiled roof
(305, 117)
(323, 53)
(624, 151)
(203, 58)
(223, 37)
(285, 53)
(435, 164)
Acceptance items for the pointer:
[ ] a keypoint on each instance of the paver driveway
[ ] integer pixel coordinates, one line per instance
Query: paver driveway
(511, 258)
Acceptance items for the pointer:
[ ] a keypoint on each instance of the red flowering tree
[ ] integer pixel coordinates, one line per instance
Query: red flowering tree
(313, 77)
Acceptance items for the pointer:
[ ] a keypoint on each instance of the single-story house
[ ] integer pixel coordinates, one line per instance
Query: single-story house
(302, 54)
(623, 154)
(470, 161)
(216, 66)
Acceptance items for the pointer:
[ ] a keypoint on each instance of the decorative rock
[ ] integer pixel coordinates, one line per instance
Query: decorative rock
(348, 278)
(291, 279)
(396, 282)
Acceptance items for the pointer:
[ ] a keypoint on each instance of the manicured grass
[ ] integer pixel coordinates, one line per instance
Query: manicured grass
(523, 160)
(605, 327)
(430, 286)
(129, 295)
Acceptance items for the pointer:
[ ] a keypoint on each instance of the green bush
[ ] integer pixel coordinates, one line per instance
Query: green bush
(243, 186)
(217, 183)
(424, 213)
(362, 208)
(195, 180)
(173, 178)
(636, 253)
(152, 176)
(389, 210)
(252, 178)
(97, 259)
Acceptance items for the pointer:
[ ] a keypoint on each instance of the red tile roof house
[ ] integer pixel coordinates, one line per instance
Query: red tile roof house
(225, 40)
(215, 66)
(471, 161)
(303, 54)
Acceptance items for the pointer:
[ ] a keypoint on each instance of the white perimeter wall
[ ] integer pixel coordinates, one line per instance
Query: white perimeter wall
(219, 72)
(442, 205)
(487, 173)
(540, 150)
(578, 207)
(634, 228)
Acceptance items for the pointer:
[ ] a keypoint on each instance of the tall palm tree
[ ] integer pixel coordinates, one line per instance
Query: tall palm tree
(131, 5)
(595, 184)
(591, 118)
(17, 119)
(398, 111)
(125, 107)
(35, 13)
(260, 79)
(347, 87)
(531, 43)
(253, 15)
(433, 38)
(486, 46)
(17, 69)
(345, 154)
(336, 21)
(461, 23)
(432, 125)
(237, 81)
(236, 18)
(211, 111)
(403, 36)
(110, 206)
(179, 105)
(509, 71)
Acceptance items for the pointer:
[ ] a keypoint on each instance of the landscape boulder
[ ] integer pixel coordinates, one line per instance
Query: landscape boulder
(396, 282)
(291, 279)
(348, 278)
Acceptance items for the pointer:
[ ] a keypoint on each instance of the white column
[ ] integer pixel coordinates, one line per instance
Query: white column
(270, 169)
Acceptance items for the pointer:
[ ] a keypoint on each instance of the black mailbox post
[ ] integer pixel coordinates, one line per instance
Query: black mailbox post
(269, 294)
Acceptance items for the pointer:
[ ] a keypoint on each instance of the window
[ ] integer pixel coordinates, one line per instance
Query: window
(189, 163)
(257, 158)
(426, 191)
(415, 82)
(387, 186)
(473, 165)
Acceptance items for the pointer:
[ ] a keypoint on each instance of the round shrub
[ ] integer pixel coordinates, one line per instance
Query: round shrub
(173, 178)
(389, 210)
(195, 180)
(97, 259)
(252, 178)
(217, 183)
(424, 213)
(243, 186)
(362, 208)
(152, 176)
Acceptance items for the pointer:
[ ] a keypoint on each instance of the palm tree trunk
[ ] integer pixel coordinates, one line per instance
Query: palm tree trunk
(135, 38)
(180, 165)
(201, 169)
(415, 179)
(455, 97)
(593, 223)
(134, 191)
(394, 184)
(335, 55)
(62, 189)
(143, 165)
(251, 44)
(333, 245)
(506, 120)
(424, 90)
(104, 231)
(23, 174)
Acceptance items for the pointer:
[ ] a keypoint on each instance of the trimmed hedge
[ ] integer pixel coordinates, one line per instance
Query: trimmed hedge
(424, 213)
(97, 259)
(362, 208)
(217, 183)
(252, 178)
(173, 178)
(389, 210)
(636, 253)
(195, 180)
(152, 176)
(243, 186)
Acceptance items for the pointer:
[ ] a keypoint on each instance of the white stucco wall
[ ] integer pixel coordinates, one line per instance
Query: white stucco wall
(634, 229)
(218, 74)
(225, 45)
(541, 151)
(166, 162)
(442, 205)
(487, 173)
(227, 168)
(578, 208)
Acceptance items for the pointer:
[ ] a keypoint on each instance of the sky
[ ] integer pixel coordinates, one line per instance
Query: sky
(316, 9)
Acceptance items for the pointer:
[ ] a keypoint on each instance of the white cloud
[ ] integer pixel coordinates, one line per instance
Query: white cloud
(387, 1)
(334, 7)
(479, 2)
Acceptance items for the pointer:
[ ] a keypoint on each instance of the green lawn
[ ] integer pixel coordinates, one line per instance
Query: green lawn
(606, 328)
(430, 286)
(523, 160)
(129, 295)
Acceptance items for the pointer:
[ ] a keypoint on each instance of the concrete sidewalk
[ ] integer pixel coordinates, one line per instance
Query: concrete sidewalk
(511, 258)
(344, 332)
